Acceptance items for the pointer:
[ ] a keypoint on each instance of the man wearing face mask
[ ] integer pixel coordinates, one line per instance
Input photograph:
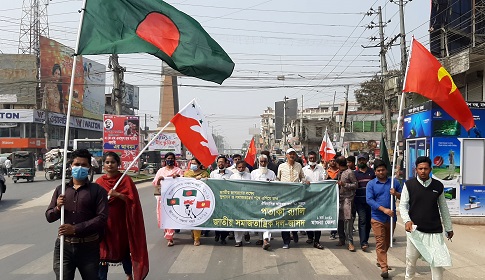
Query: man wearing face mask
(314, 173)
(263, 173)
(363, 174)
(221, 173)
(85, 215)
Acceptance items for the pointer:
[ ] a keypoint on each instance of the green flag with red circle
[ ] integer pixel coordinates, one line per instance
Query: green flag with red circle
(157, 28)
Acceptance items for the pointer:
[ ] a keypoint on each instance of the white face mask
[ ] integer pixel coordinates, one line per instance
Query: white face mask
(312, 163)
(263, 169)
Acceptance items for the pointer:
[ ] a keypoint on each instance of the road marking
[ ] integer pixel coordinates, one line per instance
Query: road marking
(253, 263)
(392, 261)
(192, 259)
(10, 249)
(42, 265)
(324, 262)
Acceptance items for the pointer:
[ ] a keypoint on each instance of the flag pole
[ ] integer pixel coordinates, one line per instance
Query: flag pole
(66, 136)
(139, 155)
(325, 138)
(394, 157)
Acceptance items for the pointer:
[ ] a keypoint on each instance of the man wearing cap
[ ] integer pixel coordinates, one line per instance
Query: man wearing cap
(290, 171)
(363, 174)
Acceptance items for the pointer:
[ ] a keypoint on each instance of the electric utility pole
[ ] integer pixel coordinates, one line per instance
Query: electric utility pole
(118, 76)
(384, 73)
(384, 77)
(284, 122)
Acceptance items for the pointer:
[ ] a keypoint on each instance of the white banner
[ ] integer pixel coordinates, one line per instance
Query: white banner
(166, 142)
(16, 115)
(60, 120)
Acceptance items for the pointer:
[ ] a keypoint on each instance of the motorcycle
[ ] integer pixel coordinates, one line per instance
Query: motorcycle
(54, 172)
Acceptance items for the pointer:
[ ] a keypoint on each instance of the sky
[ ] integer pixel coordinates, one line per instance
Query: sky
(307, 48)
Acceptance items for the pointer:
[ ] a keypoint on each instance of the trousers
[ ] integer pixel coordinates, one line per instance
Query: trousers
(83, 256)
(412, 255)
(344, 229)
(382, 233)
(315, 235)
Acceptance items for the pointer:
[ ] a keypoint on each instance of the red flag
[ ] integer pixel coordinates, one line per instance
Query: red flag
(427, 77)
(203, 204)
(251, 153)
(193, 131)
(326, 149)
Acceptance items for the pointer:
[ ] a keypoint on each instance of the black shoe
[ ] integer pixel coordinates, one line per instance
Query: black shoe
(238, 244)
(177, 231)
(385, 274)
(259, 242)
(247, 237)
(318, 246)
(309, 241)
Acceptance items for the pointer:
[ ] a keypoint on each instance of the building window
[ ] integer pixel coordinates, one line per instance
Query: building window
(319, 131)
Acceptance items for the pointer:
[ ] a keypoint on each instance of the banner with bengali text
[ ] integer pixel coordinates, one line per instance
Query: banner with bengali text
(216, 204)
(120, 135)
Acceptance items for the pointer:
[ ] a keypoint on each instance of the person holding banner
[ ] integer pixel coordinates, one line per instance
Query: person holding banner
(347, 185)
(169, 170)
(124, 237)
(86, 212)
(378, 196)
(290, 171)
(314, 173)
(198, 172)
(241, 174)
(221, 173)
(263, 173)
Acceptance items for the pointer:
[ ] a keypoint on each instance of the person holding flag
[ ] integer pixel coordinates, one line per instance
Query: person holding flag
(169, 170)
(378, 196)
(124, 238)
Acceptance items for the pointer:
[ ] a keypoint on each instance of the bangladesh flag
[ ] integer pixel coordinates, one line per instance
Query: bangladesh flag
(173, 201)
(190, 193)
(157, 28)
(203, 204)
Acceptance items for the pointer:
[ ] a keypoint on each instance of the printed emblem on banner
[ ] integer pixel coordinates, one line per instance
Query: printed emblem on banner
(189, 202)
(108, 124)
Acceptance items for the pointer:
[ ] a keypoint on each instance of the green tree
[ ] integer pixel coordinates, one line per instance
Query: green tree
(370, 95)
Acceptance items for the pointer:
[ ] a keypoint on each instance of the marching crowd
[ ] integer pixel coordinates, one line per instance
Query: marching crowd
(94, 237)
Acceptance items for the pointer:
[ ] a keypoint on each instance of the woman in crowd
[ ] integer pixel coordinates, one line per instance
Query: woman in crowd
(169, 170)
(198, 172)
(124, 238)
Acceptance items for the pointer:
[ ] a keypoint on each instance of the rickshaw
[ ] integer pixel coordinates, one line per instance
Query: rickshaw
(23, 166)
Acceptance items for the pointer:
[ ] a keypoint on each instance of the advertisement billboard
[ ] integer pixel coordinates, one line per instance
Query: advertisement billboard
(417, 125)
(94, 89)
(121, 135)
(446, 156)
(166, 142)
(18, 78)
(55, 72)
(471, 201)
(131, 97)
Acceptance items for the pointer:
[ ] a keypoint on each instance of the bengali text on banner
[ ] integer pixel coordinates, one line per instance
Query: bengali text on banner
(219, 204)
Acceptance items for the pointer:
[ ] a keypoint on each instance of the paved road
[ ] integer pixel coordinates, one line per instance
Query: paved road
(27, 241)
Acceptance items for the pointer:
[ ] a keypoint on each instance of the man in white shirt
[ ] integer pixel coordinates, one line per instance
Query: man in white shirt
(94, 167)
(422, 203)
(263, 174)
(8, 166)
(314, 173)
(221, 173)
(241, 174)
